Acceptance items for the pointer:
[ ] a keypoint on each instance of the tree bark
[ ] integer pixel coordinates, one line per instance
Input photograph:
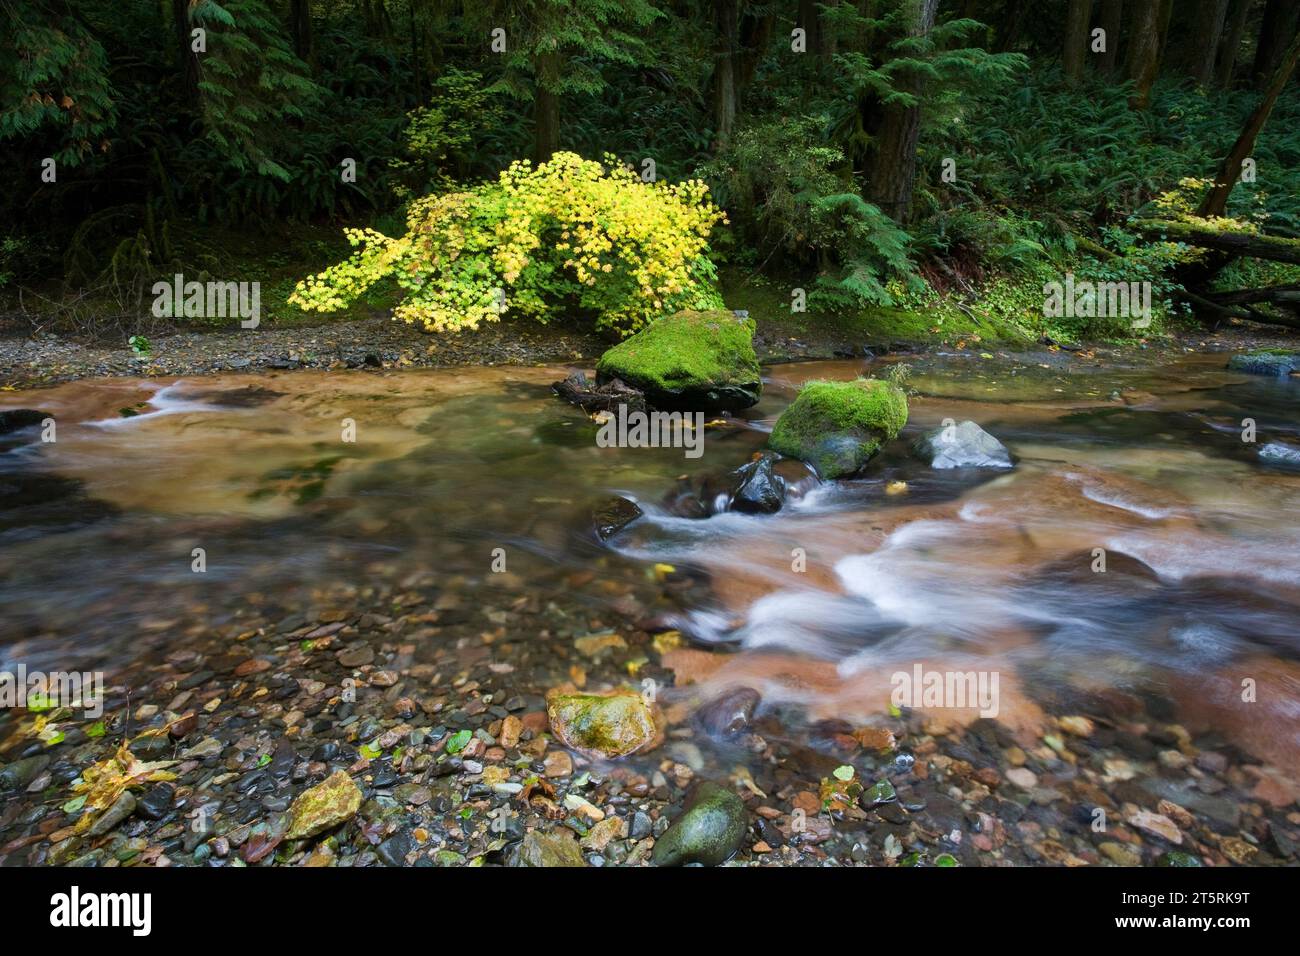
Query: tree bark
(546, 107)
(189, 60)
(726, 16)
(1276, 27)
(1013, 23)
(1077, 18)
(300, 28)
(893, 168)
(1230, 43)
(1216, 201)
(1203, 44)
(1144, 52)
(1112, 21)
(755, 35)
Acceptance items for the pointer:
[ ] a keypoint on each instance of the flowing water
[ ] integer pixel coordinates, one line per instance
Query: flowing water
(1141, 466)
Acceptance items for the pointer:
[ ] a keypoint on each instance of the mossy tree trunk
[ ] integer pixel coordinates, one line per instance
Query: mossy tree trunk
(1112, 21)
(726, 17)
(1144, 51)
(1230, 43)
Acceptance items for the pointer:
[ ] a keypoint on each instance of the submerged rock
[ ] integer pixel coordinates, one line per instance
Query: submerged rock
(837, 426)
(11, 420)
(697, 361)
(612, 516)
(729, 714)
(548, 849)
(760, 491)
(602, 725)
(709, 831)
(1266, 363)
(964, 445)
(596, 398)
(333, 801)
(122, 808)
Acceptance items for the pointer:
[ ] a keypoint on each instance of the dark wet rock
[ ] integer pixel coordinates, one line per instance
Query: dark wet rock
(1278, 364)
(964, 445)
(709, 830)
(837, 426)
(157, 801)
(641, 825)
(612, 516)
(558, 848)
(728, 714)
(121, 808)
(14, 419)
(393, 850)
(20, 773)
(1222, 810)
(759, 491)
(694, 361)
(605, 397)
(1280, 455)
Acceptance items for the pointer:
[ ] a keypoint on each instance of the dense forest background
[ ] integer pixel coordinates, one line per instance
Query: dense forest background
(936, 156)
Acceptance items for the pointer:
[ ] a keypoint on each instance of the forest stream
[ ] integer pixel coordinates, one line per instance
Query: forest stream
(216, 546)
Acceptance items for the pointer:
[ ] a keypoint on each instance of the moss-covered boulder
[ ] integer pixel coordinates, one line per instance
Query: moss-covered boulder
(603, 725)
(691, 361)
(709, 831)
(837, 426)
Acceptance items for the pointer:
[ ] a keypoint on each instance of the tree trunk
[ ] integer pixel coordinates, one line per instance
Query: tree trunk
(1112, 21)
(1230, 44)
(893, 168)
(1216, 201)
(811, 23)
(1077, 19)
(546, 107)
(726, 16)
(1275, 29)
(300, 28)
(1144, 51)
(1204, 43)
(1013, 23)
(755, 35)
(189, 60)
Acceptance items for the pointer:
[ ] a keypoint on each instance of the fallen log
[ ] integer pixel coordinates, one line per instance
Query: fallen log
(1251, 245)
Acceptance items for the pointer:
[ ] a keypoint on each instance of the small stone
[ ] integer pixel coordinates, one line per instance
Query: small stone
(558, 764)
(599, 836)
(357, 656)
(122, 808)
(1077, 726)
(548, 849)
(1157, 824)
(1119, 854)
(1022, 777)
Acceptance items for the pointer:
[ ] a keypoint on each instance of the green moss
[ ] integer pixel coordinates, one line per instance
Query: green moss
(699, 359)
(837, 426)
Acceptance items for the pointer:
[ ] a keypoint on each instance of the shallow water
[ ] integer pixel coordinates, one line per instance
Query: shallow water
(989, 571)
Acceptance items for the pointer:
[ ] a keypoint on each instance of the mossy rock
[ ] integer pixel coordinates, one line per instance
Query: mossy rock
(691, 361)
(1266, 362)
(837, 426)
(709, 831)
(333, 801)
(603, 725)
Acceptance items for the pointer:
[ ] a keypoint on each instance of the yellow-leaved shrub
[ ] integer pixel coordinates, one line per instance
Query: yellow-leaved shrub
(567, 231)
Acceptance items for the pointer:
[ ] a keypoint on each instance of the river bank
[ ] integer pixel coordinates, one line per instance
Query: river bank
(30, 359)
